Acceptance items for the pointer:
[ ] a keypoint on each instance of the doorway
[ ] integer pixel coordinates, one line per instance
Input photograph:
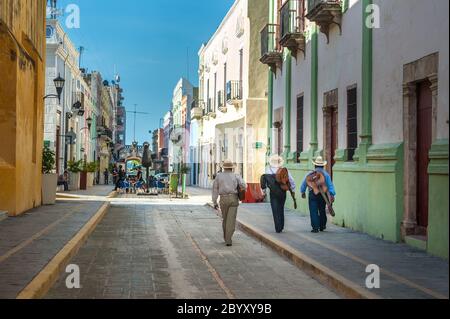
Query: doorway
(420, 93)
(330, 116)
(424, 141)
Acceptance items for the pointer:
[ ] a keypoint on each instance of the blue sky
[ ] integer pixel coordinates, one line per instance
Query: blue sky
(147, 42)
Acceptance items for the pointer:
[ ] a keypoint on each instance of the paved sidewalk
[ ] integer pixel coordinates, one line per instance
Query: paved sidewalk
(405, 271)
(29, 242)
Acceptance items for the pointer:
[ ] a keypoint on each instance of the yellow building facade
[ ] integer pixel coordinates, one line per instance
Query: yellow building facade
(22, 59)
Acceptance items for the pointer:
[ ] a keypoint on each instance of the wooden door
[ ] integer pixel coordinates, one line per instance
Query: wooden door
(424, 140)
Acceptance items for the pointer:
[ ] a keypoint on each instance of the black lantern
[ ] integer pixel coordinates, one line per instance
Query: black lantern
(89, 122)
(59, 84)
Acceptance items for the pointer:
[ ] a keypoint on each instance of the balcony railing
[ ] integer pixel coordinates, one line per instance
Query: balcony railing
(106, 134)
(234, 93)
(78, 103)
(325, 13)
(270, 47)
(293, 25)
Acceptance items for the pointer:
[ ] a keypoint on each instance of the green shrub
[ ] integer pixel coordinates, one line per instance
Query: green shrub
(75, 166)
(48, 161)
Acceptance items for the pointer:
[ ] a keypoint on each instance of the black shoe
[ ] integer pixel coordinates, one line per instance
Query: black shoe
(229, 245)
(315, 231)
(323, 229)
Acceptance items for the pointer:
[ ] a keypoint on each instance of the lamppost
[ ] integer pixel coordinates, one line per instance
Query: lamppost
(59, 85)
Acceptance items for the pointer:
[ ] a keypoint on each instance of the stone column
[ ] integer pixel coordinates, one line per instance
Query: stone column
(410, 177)
(433, 78)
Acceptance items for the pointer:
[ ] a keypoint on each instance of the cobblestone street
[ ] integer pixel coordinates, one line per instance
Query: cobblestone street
(148, 249)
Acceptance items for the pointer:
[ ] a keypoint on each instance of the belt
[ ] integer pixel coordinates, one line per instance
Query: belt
(234, 194)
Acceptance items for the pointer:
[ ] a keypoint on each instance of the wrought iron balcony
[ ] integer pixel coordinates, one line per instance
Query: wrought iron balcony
(196, 113)
(325, 13)
(106, 134)
(78, 103)
(270, 47)
(101, 125)
(234, 93)
(222, 106)
(293, 26)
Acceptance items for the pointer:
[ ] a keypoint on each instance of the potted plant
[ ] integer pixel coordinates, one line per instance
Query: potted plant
(84, 175)
(49, 177)
(184, 170)
(74, 168)
(91, 168)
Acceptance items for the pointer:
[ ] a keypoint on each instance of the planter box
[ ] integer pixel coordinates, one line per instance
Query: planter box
(83, 181)
(90, 179)
(49, 185)
(74, 181)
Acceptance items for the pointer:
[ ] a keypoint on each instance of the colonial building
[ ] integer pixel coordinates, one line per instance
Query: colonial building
(167, 151)
(183, 96)
(22, 59)
(232, 98)
(69, 123)
(157, 150)
(365, 84)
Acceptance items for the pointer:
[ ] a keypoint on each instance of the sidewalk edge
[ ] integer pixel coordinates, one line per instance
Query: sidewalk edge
(318, 271)
(44, 280)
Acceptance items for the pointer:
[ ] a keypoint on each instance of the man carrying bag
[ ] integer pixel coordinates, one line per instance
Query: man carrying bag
(231, 189)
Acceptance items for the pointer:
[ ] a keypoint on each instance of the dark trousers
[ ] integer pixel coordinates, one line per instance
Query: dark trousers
(118, 180)
(65, 184)
(317, 209)
(277, 202)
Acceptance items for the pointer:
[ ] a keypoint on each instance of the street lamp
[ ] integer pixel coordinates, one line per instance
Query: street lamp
(89, 122)
(59, 85)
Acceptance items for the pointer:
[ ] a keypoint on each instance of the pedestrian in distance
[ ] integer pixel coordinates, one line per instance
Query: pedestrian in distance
(106, 176)
(316, 200)
(279, 181)
(120, 177)
(228, 186)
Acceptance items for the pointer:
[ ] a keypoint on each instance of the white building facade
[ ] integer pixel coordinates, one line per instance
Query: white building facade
(232, 108)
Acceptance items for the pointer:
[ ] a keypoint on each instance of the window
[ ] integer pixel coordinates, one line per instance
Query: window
(300, 126)
(352, 122)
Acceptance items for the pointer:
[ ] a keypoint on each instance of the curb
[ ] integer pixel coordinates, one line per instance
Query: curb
(3, 215)
(318, 271)
(44, 280)
(75, 196)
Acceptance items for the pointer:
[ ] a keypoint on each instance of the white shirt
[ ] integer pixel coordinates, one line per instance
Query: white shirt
(226, 183)
(274, 170)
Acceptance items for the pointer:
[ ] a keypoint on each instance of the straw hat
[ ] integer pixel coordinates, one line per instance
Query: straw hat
(276, 161)
(320, 162)
(228, 164)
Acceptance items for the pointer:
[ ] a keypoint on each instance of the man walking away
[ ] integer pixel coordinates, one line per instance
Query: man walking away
(227, 185)
(106, 175)
(317, 204)
(277, 190)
